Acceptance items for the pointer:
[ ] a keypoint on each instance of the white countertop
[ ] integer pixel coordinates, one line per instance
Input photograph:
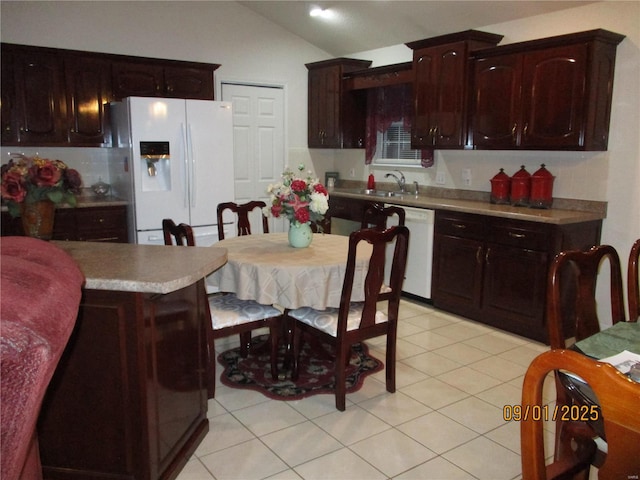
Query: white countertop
(142, 268)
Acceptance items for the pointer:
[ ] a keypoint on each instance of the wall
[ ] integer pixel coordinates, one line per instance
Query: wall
(612, 176)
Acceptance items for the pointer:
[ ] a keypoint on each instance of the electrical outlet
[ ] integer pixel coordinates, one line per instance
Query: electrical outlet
(466, 176)
(352, 173)
(440, 178)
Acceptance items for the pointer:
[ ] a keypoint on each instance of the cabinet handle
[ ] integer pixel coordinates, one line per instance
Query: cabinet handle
(525, 129)
(517, 235)
(479, 255)
(514, 130)
(460, 226)
(486, 256)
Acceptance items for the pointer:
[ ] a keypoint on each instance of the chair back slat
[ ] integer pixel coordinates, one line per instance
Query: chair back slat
(376, 216)
(242, 214)
(379, 239)
(577, 272)
(181, 235)
(633, 283)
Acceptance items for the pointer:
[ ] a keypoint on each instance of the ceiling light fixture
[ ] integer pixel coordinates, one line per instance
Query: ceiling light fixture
(321, 12)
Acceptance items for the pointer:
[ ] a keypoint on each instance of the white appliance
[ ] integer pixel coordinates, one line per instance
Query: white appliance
(420, 222)
(173, 159)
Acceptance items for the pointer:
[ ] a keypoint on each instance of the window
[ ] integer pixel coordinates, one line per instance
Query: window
(395, 146)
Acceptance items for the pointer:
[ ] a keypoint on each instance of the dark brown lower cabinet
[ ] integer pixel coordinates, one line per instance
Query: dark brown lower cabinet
(87, 224)
(494, 270)
(129, 398)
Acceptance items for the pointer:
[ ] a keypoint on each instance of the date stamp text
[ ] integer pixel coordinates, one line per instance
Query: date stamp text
(543, 413)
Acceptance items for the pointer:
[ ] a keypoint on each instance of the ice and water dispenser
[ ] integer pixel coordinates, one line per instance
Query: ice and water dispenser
(156, 168)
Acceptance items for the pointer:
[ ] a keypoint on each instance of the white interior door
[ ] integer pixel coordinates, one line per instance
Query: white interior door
(258, 136)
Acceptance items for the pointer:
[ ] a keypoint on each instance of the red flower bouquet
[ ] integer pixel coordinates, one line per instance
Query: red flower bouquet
(29, 180)
(300, 200)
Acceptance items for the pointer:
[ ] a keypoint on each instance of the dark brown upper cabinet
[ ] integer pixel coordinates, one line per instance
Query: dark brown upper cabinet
(549, 94)
(88, 92)
(441, 87)
(55, 97)
(336, 116)
(33, 98)
(162, 78)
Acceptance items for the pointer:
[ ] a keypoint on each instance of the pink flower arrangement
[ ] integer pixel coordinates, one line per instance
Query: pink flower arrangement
(26, 179)
(300, 200)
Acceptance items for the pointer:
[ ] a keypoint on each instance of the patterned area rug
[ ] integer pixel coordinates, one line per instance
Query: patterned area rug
(316, 370)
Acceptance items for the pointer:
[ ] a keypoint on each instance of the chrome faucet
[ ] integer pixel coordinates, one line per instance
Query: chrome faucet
(401, 181)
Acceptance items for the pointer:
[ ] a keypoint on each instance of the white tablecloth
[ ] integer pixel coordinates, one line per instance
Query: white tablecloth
(266, 269)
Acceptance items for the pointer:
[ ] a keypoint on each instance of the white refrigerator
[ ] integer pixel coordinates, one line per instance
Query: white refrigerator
(173, 159)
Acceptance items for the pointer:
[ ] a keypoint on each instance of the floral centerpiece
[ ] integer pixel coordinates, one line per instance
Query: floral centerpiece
(32, 186)
(301, 200)
(32, 179)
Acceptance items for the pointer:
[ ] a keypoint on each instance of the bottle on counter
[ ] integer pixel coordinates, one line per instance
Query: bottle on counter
(371, 182)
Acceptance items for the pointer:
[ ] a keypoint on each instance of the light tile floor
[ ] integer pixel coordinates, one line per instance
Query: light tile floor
(445, 420)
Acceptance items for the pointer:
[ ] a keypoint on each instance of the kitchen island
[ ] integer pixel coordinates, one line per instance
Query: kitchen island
(129, 397)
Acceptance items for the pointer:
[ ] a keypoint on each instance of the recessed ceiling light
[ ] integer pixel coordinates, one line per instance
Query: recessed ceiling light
(321, 12)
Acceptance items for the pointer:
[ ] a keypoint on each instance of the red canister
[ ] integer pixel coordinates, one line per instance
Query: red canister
(541, 189)
(500, 187)
(520, 188)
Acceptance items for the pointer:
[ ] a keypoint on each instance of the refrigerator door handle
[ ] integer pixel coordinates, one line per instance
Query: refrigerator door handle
(192, 182)
(186, 166)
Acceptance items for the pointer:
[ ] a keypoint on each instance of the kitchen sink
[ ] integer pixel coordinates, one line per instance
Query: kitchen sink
(381, 193)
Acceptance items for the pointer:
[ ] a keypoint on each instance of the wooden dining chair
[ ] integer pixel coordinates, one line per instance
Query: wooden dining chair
(242, 212)
(618, 400)
(354, 322)
(633, 283)
(376, 216)
(572, 316)
(229, 314)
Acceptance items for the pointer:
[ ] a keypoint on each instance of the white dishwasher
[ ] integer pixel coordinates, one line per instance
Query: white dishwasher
(419, 221)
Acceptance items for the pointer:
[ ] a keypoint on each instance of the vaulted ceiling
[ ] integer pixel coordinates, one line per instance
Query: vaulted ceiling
(358, 26)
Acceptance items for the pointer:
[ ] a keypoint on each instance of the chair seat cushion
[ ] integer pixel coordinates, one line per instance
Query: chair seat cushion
(327, 320)
(228, 310)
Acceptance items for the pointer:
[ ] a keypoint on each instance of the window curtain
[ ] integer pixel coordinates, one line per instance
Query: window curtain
(386, 105)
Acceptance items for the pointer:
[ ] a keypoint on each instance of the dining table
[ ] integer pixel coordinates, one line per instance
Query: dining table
(265, 268)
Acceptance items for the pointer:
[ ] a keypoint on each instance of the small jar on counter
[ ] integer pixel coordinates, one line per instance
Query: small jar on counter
(500, 187)
(541, 188)
(520, 188)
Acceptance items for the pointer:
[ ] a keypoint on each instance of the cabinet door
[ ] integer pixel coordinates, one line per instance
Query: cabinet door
(136, 79)
(553, 86)
(439, 91)
(188, 83)
(496, 103)
(324, 107)
(514, 289)
(88, 91)
(457, 274)
(40, 103)
(8, 105)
